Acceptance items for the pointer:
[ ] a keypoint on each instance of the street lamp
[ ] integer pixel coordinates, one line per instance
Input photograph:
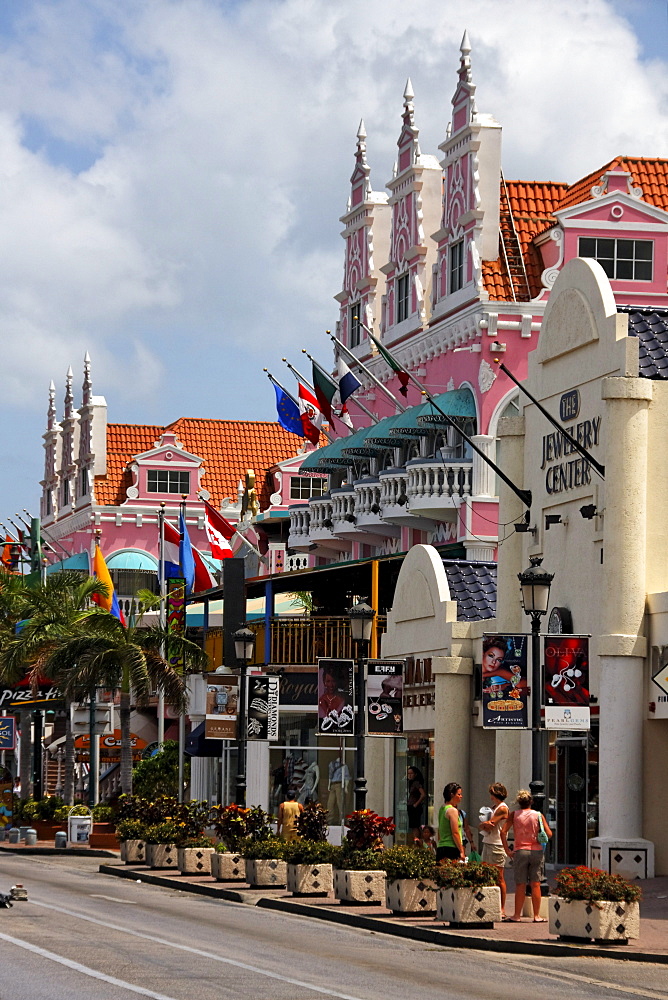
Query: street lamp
(535, 586)
(244, 646)
(361, 623)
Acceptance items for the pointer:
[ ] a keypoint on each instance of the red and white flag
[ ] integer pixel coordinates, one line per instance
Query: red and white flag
(218, 531)
(310, 413)
(172, 538)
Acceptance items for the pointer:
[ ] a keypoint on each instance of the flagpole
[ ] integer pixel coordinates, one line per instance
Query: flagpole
(163, 619)
(383, 388)
(250, 545)
(182, 714)
(357, 403)
(308, 385)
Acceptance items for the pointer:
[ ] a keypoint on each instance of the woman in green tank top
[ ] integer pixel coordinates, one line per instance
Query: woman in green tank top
(450, 827)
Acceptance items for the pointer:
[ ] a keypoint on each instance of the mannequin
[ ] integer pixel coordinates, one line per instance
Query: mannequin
(337, 784)
(309, 789)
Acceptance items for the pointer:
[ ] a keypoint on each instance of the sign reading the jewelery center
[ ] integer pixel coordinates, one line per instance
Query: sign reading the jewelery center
(566, 659)
(504, 681)
(384, 697)
(336, 714)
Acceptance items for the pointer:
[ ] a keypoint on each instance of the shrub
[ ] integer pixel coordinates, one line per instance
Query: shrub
(475, 874)
(312, 823)
(159, 775)
(593, 885)
(357, 861)
(193, 816)
(103, 814)
(366, 829)
(130, 829)
(406, 862)
(233, 824)
(263, 850)
(167, 832)
(309, 852)
(197, 842)
(151, 810)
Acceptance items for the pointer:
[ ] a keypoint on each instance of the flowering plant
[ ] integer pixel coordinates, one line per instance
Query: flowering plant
(312, 822)
(593, 885)
(167, 832)
(130, 829)
(475, 874)
(233, 824)
(366, 830)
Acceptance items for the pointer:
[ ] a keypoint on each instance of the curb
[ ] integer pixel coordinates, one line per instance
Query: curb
(82, 852)
(425, 934)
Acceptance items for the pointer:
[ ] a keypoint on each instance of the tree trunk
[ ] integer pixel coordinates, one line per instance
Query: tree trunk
(70, 763)
(25, 758)
(126, 746)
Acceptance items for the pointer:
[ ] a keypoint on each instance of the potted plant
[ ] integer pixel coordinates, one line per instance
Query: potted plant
(162, 841)
(233, 824)
(194, 856)
(410, 886)
(592, 904)
(131, 833)
(103, 833)
(265, 866)
(357, 876)
(309, 867)
(467, 894)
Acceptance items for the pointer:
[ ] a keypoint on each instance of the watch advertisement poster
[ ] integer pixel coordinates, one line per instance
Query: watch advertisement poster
(566, 659)
(222, 699)
(262, 715)
(336, 713)
(504, 681)
(384, 697)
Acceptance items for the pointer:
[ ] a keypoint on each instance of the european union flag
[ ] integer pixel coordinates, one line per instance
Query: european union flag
(288, 412)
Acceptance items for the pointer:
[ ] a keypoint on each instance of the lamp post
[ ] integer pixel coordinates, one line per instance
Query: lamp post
(361, 623)
(244, 646)
(535, 586)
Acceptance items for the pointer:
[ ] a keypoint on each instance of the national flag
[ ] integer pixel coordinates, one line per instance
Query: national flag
(311, 414)
(325, 390)
(109, 603)
(172, 541)
(345, 417)
(288, 412)
(348, 383)
(186, 558)
(402, 375)
(10, 554)
(218, 531)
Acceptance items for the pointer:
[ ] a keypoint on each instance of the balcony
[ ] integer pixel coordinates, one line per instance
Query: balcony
(394, 504)
(321, 523)
(299, 640)
(369, 514)
(435, 486)
(298, 536)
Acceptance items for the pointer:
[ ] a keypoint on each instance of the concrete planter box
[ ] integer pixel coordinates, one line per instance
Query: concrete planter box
(194, 860)
(269, 873)
(162, 856)
(469, 906)
(359, 887)
(603, 921)
(103, 836)
(133, 852)
(411, 895)
(228, 867)
(310, 880)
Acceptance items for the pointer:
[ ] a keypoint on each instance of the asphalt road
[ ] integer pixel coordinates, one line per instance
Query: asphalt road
(86, 936)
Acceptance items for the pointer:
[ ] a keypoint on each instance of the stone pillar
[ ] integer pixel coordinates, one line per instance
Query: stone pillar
(622, 646)
(452, 694)
(483, 480)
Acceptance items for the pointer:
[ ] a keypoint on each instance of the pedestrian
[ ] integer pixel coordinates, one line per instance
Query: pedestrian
(450, 825)
(493, 851)
(288, 814)
(416, 798)
(428, 840)
(527, 853)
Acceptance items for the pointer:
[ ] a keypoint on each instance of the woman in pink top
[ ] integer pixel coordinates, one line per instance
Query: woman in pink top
(527, 853)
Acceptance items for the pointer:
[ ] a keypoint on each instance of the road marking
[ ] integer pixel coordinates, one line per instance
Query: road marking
(113, 899)
(93, 973)
(198, 951)
(583, 979)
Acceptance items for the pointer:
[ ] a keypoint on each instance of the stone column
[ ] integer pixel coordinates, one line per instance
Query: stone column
(452, 695)
(483, 475)
(622, 646)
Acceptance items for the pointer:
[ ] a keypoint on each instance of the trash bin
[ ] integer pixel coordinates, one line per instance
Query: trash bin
(31, 837)
(78, 829)
(61, 839)
(14, 835)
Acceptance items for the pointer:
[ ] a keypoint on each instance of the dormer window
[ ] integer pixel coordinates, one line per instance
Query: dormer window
(625, 260)
(305, 487)
(167, 481)
(403, 289)
(456, 266)
(355, 324)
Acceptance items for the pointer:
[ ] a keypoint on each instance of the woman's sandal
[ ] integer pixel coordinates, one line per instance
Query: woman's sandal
(539, 920)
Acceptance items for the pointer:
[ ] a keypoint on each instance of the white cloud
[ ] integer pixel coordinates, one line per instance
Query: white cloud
(218, 140)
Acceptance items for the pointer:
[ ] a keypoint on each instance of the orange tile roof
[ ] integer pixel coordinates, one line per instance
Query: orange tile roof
(228, 448)
(649, 174)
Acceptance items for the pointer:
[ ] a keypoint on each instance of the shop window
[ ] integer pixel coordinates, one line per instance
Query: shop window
(304, 487)
(456, 266)
(355, 324)
(625, 260)
(403, 292)
(167, 481)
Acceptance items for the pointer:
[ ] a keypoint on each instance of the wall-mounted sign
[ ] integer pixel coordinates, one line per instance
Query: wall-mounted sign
(566, 659)
(222, 700)
(504, 681)
(299, 689)
(561, 472)
(336, 713)
(384, 697)
(22, 696)
(567, 717)
(262, 715)
(110, 746)
(569, 406)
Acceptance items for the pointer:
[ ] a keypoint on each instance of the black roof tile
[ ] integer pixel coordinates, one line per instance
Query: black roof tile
(473, 587)
(650, 326)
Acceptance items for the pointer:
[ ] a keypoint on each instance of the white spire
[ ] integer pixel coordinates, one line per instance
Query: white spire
(408, 92)
(465, 47)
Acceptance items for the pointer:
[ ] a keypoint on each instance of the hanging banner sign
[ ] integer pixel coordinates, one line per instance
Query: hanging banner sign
(384, 697)
(6, 795)
(336, 714)
(262, 716)
(7, 732)
(222, 700)
(176, 615)
(504, 682)
(566, 659)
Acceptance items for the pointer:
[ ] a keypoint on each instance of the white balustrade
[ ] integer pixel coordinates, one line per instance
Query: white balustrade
(435, 480)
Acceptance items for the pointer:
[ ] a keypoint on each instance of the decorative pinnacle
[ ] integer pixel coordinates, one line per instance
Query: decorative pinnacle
(408, 91)
(465, 47)
(361, 131)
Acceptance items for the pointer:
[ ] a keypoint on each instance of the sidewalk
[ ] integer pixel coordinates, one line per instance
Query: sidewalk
(46, 847)
(521, 938)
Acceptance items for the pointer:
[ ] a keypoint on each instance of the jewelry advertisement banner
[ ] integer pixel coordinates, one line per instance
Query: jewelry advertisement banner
(220, 722)
(504, 682)
(566, 659)
(384, 697)
(262, 707)
(336, 713)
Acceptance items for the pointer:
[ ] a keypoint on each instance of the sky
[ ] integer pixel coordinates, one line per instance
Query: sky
(172, 173)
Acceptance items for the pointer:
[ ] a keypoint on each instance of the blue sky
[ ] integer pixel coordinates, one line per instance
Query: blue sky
(172, 174)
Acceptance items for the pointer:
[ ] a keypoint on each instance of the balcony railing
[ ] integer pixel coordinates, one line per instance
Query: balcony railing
(433, 480)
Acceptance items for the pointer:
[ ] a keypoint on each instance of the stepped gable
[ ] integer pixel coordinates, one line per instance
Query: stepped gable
(473, 587)
(228, 448)
(650, 326)
(531, 204)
